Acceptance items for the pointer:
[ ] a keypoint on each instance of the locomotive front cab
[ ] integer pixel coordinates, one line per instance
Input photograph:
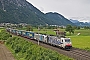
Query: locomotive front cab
(68, 44)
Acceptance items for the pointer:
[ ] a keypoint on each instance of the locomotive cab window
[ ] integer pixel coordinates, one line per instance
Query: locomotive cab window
(67, 40)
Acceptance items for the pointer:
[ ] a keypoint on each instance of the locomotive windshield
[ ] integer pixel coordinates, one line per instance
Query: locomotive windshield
(67, 40)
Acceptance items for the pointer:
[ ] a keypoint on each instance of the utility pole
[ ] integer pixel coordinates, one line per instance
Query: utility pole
(38, 34)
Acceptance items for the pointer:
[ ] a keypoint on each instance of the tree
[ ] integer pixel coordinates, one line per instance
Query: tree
(29, 28)
(86, 27)
(69, 29)
(78, 27)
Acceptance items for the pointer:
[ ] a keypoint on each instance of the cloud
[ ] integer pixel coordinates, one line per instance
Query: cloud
(68, 8)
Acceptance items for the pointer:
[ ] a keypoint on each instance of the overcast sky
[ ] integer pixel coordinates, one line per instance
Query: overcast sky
(75, 9)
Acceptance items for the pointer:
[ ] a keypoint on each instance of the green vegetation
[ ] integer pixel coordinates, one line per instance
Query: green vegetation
(1, 28)
(4, 35)
(28, 50)
(82, 42)
(45, 31)
(25, 50)
(69, 29)
(29, 28)
(83, 32)
(50, 30)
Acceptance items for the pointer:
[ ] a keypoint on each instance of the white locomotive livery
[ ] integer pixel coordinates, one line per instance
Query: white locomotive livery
(61, 42)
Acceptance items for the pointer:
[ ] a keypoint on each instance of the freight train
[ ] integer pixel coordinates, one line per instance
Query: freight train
(61, 42)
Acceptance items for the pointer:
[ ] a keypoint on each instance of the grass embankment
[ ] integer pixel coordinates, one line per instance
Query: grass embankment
(1, 28)
(29, 51)
(3, 34)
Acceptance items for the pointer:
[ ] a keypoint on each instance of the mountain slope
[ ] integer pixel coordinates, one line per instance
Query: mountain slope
(17, 11)
(59, 19)
(77, 23)
(74, 21)
(21, 11)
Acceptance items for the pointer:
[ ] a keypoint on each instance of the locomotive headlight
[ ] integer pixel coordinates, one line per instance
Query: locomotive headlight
(68, 45)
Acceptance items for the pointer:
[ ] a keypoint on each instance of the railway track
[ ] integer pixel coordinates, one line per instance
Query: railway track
(80, 54)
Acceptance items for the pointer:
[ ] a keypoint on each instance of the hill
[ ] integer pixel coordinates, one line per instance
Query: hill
(58, 18)
(21, 11)
(74, 21)
(78, 23)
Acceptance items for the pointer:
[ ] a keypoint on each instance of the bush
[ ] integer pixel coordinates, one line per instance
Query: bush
(4, 35)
